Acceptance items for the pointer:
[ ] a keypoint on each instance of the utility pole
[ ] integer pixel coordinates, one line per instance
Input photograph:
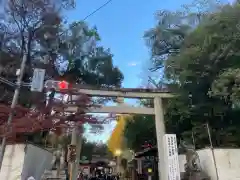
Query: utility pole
(13, 105)
(212, 149)
(14, 102)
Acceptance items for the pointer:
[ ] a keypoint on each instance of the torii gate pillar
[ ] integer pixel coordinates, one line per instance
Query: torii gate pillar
(160, 132)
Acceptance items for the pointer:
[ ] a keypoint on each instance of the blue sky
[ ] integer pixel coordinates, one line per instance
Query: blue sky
(121, 25)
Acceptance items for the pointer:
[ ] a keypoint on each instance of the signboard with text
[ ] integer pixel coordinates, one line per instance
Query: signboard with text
(172, 156)
(38, 80)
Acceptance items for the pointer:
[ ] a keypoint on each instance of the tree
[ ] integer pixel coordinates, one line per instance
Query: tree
(87, 62)
(87, 149)
(164, 40)
(167, 36)
(202, 64)
(37, 29)
(140, 130)
(102, 150)
(202, 68)
(21, 24)
(93, 148)
(226, 86)
(116, 140)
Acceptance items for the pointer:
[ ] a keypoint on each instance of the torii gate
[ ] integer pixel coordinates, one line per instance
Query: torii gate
(158, 111)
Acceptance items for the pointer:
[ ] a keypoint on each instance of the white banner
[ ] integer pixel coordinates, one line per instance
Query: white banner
(38, 80)
(172, 156)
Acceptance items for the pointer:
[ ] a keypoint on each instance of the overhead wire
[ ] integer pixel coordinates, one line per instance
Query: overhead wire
(98, 9)
(85, 18)
(3, 80)
(92, 13)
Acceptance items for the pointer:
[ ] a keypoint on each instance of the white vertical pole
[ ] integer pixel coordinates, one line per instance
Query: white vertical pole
(160, 132)
(73, 164)
(140, 165)
(79, 147)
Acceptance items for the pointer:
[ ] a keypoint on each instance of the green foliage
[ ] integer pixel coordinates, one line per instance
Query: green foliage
(92, 148)
(226, 86)
(86, 61)
(138, 130)
(167, 37)
(164, 40)
(202, 67)
(87, 149)
(202, 64)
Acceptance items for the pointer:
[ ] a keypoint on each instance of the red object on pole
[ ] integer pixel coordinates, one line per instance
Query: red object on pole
(63, 85)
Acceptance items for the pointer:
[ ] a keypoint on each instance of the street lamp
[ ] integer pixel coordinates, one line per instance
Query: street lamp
(118, 152)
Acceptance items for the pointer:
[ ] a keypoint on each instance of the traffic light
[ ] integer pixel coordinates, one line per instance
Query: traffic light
(72, 153)
(150, 171)
(57, 85)
(63, 85)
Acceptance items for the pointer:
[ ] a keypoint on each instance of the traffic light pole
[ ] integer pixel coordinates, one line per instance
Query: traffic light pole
(73, 167)
(13, 105)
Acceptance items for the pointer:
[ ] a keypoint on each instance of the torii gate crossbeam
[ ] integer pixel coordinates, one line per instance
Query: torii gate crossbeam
(136, 93)
(113, 109)
(126, 93)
